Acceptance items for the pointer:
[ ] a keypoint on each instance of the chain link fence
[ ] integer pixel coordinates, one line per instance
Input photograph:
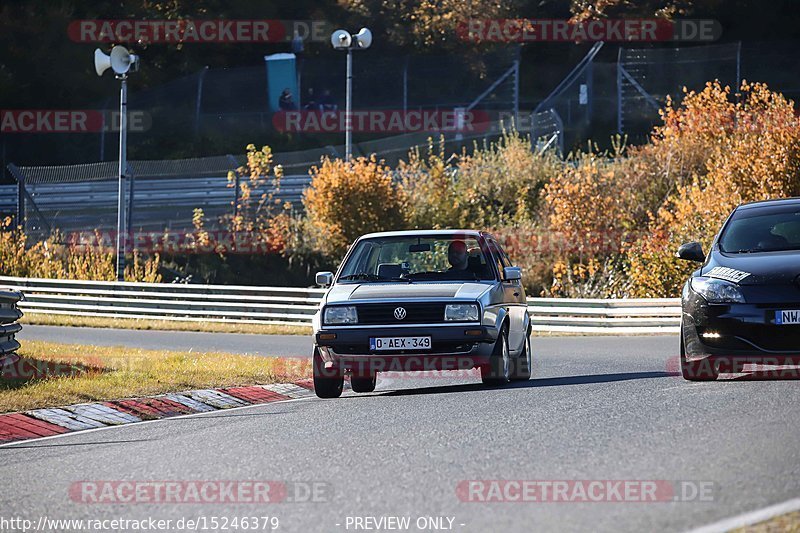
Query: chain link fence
(162, 195)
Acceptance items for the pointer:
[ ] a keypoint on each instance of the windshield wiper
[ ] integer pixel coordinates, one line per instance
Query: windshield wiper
(360, 276)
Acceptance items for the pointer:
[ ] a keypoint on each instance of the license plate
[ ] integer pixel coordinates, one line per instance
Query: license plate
(400, 343)
(787, 317)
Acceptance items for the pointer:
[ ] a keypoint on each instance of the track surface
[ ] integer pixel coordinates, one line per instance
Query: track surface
(598, 408)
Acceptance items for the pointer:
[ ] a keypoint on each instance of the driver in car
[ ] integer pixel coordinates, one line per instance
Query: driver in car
(457, 255)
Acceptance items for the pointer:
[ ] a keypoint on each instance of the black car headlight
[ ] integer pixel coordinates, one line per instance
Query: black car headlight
(340, 315)
(717, 291)
(461, 313)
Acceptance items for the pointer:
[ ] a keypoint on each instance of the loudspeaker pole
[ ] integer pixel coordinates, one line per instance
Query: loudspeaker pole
(123, 163)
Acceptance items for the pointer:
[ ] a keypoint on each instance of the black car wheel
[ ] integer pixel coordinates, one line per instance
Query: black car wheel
(498, 371)
(702, 370)
(363, 383)
(328, 382)
(521, 370)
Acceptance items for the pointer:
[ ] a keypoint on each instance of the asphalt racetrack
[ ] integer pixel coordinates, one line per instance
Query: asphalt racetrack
(597, 408)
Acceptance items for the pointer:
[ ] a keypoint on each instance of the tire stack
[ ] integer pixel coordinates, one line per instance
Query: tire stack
(9, 326)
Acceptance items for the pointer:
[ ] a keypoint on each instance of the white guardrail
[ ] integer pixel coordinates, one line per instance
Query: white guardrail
(294, 306)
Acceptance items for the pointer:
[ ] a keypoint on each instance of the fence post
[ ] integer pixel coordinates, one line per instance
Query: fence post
(199, 101)
(619, 91)
(14, 170)
(234, 165)
(738, 66)
(516, 88)
(132, 180)
(23, 191)
(405, 85)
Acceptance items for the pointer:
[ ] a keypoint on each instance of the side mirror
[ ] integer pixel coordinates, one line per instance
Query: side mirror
(691, 251)
(324, 279)
(512, 273)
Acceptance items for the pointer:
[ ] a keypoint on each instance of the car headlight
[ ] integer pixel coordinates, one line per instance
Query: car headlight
(717, 291)
(461, 313)
(341, 315)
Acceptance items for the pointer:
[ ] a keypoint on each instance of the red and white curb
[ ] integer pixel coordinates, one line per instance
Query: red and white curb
(38, 423)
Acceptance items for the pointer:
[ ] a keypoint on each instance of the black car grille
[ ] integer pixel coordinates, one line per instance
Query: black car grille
(416, 313)
(772, 337)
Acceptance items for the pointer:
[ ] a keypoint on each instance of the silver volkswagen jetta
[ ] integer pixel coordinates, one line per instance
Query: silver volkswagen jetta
(411, 301)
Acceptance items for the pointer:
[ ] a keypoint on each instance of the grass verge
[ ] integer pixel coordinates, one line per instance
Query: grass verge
(53, 374)
(787, 523)
(167, 325)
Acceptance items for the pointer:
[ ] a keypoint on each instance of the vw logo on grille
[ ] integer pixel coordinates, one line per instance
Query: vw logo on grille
(400, 313)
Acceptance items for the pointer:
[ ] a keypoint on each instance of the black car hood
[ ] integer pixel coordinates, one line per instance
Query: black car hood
(754, 269)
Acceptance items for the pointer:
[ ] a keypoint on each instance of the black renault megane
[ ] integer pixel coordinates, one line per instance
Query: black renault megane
(743, 304)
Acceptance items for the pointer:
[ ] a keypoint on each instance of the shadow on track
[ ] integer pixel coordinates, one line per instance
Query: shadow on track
(543, 382)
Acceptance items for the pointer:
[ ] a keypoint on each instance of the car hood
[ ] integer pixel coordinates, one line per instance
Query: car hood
(404, 291)
(754, 269)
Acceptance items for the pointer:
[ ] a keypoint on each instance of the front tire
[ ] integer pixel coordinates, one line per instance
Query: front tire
(702, 370)
(363, 383)
(498, 371)
(328, 382)
(521, 370)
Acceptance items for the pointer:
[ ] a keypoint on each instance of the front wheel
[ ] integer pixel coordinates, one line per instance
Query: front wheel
(522, 364)
(498, 371)
(363, 383)
(328, 382)
(702, 370)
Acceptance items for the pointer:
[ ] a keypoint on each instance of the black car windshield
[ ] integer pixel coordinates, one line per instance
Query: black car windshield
(411, 258)
(767, 229)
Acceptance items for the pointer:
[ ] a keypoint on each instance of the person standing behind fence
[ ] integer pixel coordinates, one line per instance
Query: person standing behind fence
(311, 102)
(326, 103)
(286, 101)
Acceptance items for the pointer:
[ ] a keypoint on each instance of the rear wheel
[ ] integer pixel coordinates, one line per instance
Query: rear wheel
(363, 383)
(328, 382)
(702, 370)
(498, 371)
(521, 370)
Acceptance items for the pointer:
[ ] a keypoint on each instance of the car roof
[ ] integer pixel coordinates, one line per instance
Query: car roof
(425, 232)
(771, 203)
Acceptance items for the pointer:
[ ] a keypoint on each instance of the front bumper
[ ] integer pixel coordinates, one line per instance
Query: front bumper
(452, 348)
(738, 333)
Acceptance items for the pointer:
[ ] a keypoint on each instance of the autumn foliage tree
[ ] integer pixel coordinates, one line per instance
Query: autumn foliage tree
(753, 154)
(349, 198)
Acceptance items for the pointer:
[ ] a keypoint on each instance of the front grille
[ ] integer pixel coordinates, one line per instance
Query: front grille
(438, 348)
(416, 313)
(772, 337)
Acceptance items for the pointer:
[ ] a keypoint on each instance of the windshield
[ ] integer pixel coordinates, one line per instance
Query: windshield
(762, 230)
(408, 258)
